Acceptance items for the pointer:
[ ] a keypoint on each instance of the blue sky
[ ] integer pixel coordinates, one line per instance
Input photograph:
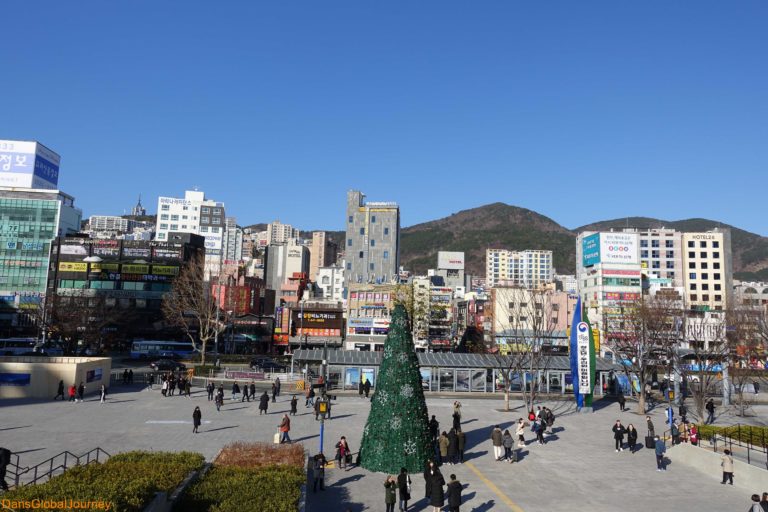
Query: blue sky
(582, 111)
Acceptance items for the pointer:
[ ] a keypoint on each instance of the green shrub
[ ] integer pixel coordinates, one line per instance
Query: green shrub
(232, 489)
(757, 436)
(129, 480)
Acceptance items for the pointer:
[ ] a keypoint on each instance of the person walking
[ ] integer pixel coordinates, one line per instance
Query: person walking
(188, 388)
(756, 386)
(710, 411)
(263, 403)
(390, 493)
(72, 393)
(318, 469)
(235, 390)
(197, 417)
(631, 437)
(496, 439)
(310, 397)
(436, 494)
(343, 453)
(434, 428)
(253, 391)
(277, 386)
(622, 401)
(618, 435)
(103, 394)
(360, 387)
(210, 388)
(5, 459)
(461, 439)
(285, 427)
(60, 391)
(219, 400)
(660, 449)
(508, 442)
(294, 404)
(80, 391)
(756, 507)
(457, 408)
(443, 443)
(164, 387)
(246, 394)
(130, 376)
(430, 471)
(274, 393)
(520, 433)
(764, 502)
(404, 488)
(651, 429)
(453, 492)
(367, 387)
(453, 447)
(675, 431)
(538, 427)
(726, 461)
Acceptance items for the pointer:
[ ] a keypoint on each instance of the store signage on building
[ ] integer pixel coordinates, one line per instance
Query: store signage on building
(609, 248)
(135, 269)
(175, 201)
(450, 260)
(165, 270)
(590, 250)
(582, 346)
(360, 322)
(70, 266)
(28, 164)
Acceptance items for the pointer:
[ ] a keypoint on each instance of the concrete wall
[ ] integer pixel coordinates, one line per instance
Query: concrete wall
(751, 478)
(46, 372)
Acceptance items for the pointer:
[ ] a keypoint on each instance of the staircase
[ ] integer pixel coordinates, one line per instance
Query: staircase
(20, 476)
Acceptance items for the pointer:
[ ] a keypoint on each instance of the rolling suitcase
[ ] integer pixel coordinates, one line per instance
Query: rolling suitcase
(650, 442)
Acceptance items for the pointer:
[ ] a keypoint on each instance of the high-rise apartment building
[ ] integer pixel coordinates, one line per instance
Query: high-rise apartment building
(330, 282)
(528, 269)
(233, 240)
(284, 260)
(322, 253)
(279, 233)
(373, 240)
(110, 223)
(708, 269)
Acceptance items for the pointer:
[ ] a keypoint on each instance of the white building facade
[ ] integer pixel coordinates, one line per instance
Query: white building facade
(529, 269)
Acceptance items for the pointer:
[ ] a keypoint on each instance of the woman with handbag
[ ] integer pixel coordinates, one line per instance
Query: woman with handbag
(404, 488)
(342, 452)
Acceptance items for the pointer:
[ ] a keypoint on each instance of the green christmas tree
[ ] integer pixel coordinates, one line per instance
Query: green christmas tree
(397, 431)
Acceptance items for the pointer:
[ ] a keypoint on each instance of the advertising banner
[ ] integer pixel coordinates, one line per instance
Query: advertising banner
(70, 266)
(619, 248)
(590, 250)
(165, 270)
(582, 359)
(450, 260)
(28, 164)
(135, 269)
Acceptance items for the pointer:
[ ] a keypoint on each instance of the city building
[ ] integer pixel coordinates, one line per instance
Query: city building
(33, 212)
(529, 269)
(708, 277)
(610, 279)
(372, 247)
(566, 283)
(194, 213)
(661, 256)
(139, 210)
(450, 266)
(233, 240)
(750, 293)
(279, 233)
(110, 223)
(369, 310)
(322, 253)
(330, 282)
(283, 260)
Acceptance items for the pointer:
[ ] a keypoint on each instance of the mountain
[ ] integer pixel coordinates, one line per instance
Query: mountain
(510, 227)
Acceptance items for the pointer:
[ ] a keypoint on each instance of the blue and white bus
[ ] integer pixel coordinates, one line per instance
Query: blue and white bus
(153, 349)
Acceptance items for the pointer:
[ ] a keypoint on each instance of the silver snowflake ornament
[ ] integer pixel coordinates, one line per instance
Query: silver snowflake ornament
(407, 391)
(383, 396)
(409, 447)
(396, 423)
(403, 357)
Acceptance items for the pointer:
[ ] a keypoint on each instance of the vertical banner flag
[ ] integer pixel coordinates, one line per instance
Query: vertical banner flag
(582, 359)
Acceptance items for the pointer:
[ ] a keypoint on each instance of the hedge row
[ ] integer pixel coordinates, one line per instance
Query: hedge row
(758, 436)
(129, 480)
(233, 489)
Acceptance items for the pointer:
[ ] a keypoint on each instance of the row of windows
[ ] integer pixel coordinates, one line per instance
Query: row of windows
(704, 265)
(704, 276)
(703, 254)
(705, 297)
(705, 287)
(656, 243)
(657, 254)
(113, 285)
(703, 244)
(384, 256)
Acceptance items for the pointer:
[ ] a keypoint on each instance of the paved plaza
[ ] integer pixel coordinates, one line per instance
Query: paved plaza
(577, 469)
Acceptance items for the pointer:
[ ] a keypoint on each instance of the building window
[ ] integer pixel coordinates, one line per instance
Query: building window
(371, 266)
(386, 255)
(717, 277)
(717, 287)
(185, 217)
(205, 220)
(704, 265)
(643, 243)
(691, 243)
(693, 286)
(716, 244)
(705, 275)
(174, 217)
(203, 229)
(349, 242)
(716, 255)
(643, 254)
(655, 264)
(703, 254)
(705, 287)
(670, 254)
(654, 254)
(692, 275)
(373, 242)
(691, 254)
(362, 231)
(716, 265)
(718, 298)
(702, 244)
(164, 216)
(694, 296)
(351, 219)
(373, 219)
(360, 255)
(174, 227)
(691, 264)
(670, 264)
(161, 236)
(217, 220)
(349, 266)
(669, 244)
(205, 209)
(164, 226)
(705, 298)
(654, 243)
(386, 231)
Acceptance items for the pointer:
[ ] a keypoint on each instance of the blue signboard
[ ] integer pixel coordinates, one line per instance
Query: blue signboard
(590, 250)
(15, 379)
(93, 375)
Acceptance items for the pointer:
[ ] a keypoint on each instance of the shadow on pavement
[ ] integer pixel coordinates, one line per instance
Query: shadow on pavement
(488, 505)
(220, 428)
(483, 434)
(474, 455)
(14, 428)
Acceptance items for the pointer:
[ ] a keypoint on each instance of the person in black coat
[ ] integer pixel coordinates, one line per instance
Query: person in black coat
(435, 482)
(453, 447)
(210, 388)
(294, 403)
(454, 494)
(429, 470)
(60, 392)
(456, 421)
(403, 482)
(367, 387)
(196, 419)
(263, 403)
(618, 435)
(622, 401)
(631, 437)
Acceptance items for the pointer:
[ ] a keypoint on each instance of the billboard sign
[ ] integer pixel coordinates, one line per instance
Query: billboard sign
(450, 260)
(317, 319)
(582, 355)
(590, 250)
(610, 248)
(28, 164)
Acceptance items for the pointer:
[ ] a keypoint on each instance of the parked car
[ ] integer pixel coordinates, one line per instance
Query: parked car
(271, 366)
(162, 365)
(257, 361)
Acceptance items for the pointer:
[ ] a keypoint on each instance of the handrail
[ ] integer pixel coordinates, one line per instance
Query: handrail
(727, 442)
(39, 471)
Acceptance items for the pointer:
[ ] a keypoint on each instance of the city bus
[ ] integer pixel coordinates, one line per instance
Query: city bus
(153, 349)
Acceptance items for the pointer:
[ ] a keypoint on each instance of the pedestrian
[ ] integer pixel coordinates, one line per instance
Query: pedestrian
(496, 439)
(631, 437)
(294, 403)
(151, 381)
(520, 433)
(443, 443)
(538, 427)
(454, 494)
(360, 387)
(263, 404)
(80, 391)
(196, 419)
(549, 420)
(188, 388)
(60, 391)
(651, 430)
(710, 411)
(453, 447)
(5, 459)
(508, 442)
(210, 388)
(622, 401)
(310, 397)
(130, 376)
(235, 390)
(343, 455)
(675, 431)
(404, 488)
(457, 408)
(246, 393)
(318, 469)
(171, 385)
(434, 428)
(694, 435)
(367, 387)
(461, 438)
(274, 392)
(682, 411)
(456, 421)
(618, 435)
(103, 393)
(764, 502)
(756, 386)
(726, 461)
(285, 427)
(219, 401)
(756, 507)
(253, 391)
(660, 450)
(429, 471)
(436, 494)
(72, 393)
(164, 387)
(125, 376)
(277, 386)
(390, 493)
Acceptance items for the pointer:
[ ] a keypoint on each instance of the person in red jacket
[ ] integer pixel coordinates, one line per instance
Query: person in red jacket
(285, 427)
(72, 393)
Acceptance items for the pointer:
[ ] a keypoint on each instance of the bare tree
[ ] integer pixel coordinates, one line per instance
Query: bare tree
(747, 341)
(643, 337)
(191, 306)
(524, 324)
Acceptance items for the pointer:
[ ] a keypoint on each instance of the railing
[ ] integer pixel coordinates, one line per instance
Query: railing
(719, 442)
(48, 468)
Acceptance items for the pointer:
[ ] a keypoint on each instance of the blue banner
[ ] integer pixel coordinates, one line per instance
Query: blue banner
(574, 351)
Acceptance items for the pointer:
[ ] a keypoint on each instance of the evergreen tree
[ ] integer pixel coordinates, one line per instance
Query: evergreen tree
(397, 431)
